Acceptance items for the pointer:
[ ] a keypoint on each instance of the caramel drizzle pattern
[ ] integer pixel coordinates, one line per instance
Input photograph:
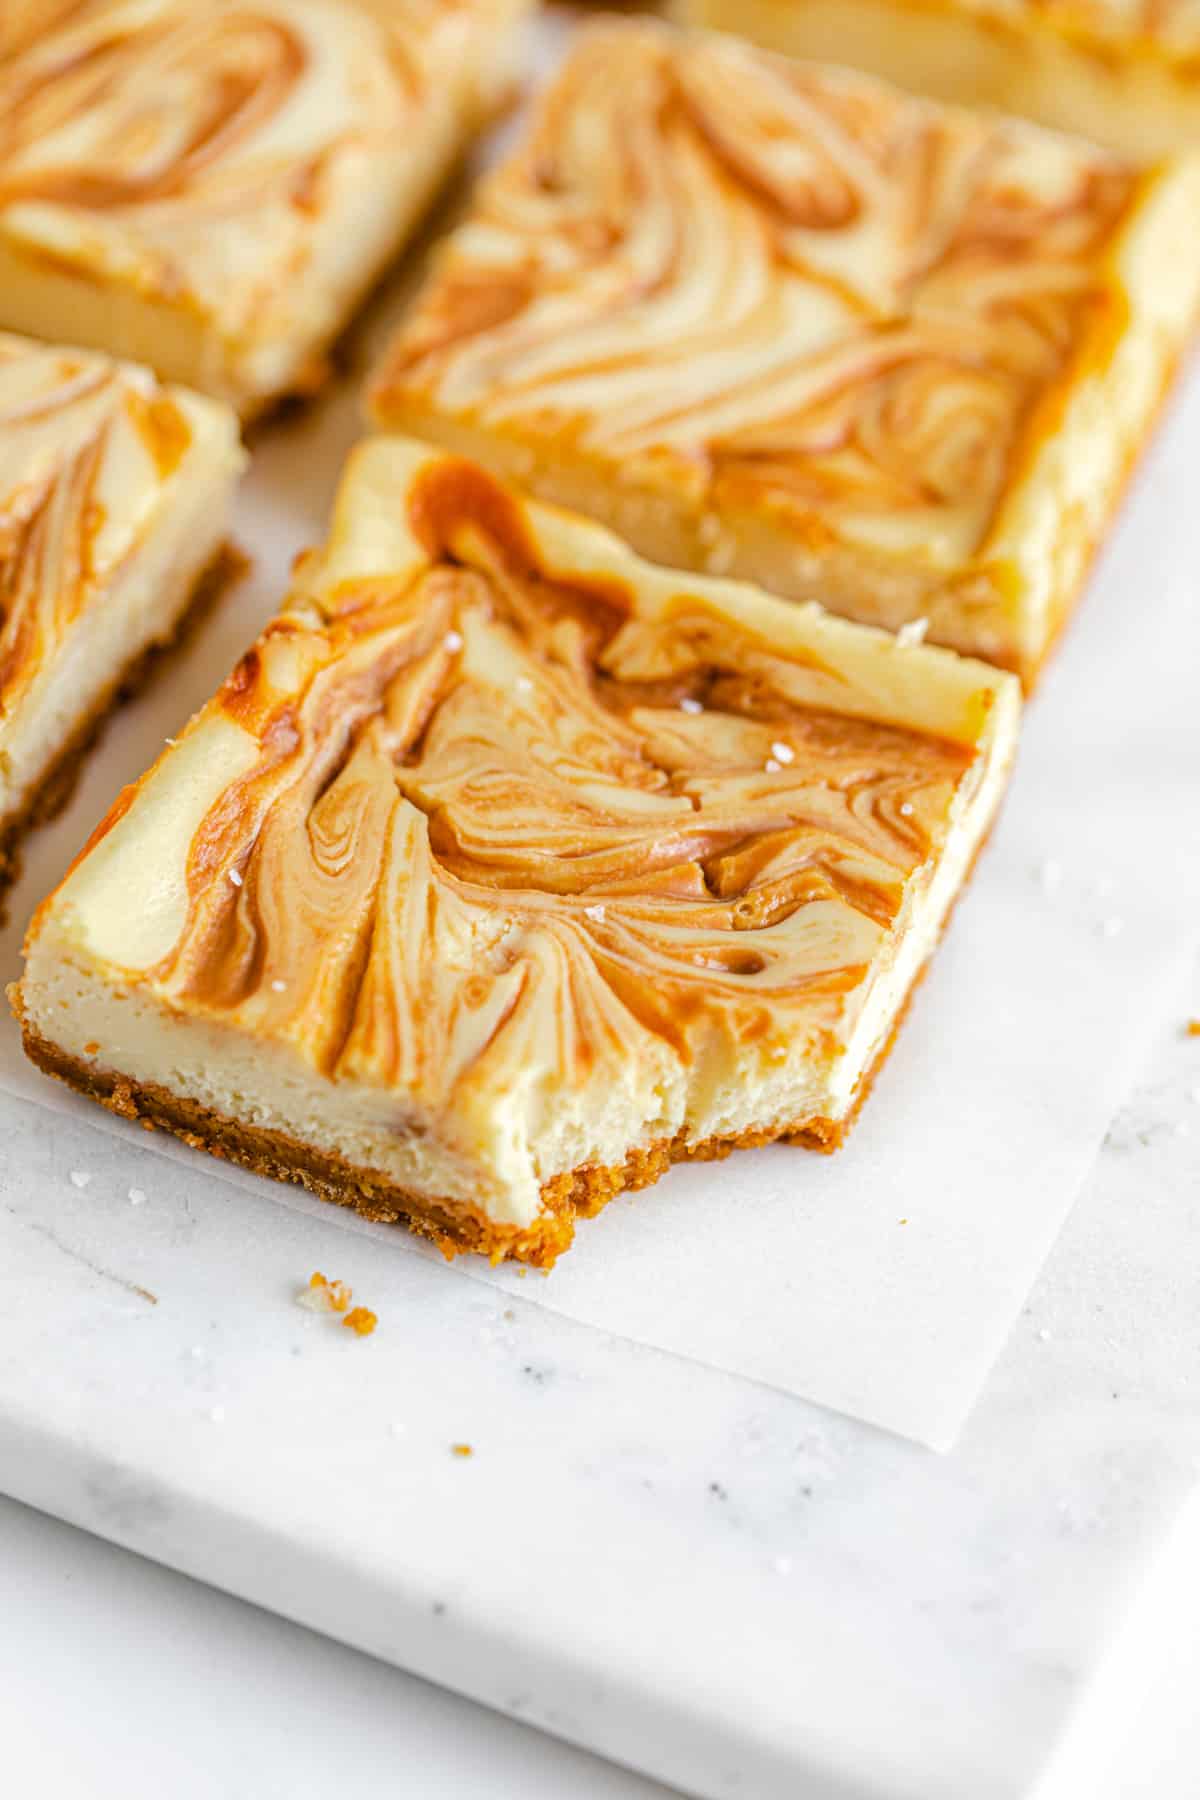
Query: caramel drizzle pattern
(24, 22)
(766, 277)
(239, 76)
(484, 825)
(207, 138)
(167, 100)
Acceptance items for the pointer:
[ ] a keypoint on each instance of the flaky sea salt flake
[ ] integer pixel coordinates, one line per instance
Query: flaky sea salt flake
(1052, 874)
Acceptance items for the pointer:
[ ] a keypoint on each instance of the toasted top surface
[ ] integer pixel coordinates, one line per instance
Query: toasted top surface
(91, 451)
(759, 281)
(491, 796)
(196, 148)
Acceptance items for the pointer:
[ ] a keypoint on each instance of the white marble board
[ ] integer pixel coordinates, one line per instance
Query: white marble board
(711, 1580)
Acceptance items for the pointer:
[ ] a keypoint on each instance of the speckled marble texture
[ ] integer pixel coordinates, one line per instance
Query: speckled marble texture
(716, 1583)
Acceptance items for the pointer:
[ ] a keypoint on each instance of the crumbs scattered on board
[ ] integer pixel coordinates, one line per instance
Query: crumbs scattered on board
(1193, 1028)
(325, 1296)
(462, 1450)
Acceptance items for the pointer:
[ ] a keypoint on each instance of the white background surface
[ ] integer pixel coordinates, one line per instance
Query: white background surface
(123, 1680)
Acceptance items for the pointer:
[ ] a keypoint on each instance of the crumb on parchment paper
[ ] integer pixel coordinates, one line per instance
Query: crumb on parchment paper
(360, 1319)
(1193, 1028)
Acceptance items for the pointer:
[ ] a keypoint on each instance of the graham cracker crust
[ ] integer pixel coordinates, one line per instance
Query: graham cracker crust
(56, 787)
(451, 1225)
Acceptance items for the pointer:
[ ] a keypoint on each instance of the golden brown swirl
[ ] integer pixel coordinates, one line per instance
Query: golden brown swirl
(22, 22)
(759, 279)
(192, 144)
(85, 446)
(496, 806)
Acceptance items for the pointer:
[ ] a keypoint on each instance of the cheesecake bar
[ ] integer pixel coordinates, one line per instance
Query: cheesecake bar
(114, 495)
(507, 869)
(783, 322)
(1125, 73)
(211, 188)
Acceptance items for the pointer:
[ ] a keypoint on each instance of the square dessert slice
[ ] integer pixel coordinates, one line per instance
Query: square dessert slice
(786, 323)
(114, 499)
(1125, 73)
(507, 869)
(212, 188)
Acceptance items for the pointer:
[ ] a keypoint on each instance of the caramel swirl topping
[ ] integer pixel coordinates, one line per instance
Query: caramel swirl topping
(85, 447)
(502, 810)
(765, 283)
(194, 146)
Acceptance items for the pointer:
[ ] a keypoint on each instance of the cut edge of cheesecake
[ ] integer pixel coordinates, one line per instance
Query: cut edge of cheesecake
(175, 558)
(55, 788)
(451, 1223)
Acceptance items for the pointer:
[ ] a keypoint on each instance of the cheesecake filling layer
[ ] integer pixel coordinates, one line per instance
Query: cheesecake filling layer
(140, 610)
(74, 1003)
(114, 498)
